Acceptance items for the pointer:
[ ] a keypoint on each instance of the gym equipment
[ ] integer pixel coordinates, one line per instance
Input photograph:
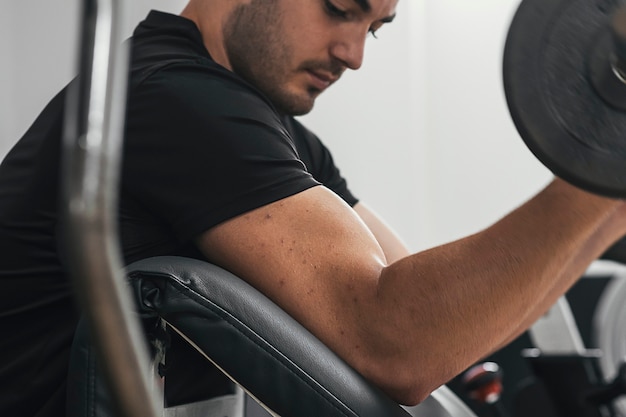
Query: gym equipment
(238, 329)
(483, 383)
(564, 73)
(91, 154)
(564, 78)
(608, 393)
(610, 331)
(569, 379)
(251, 340)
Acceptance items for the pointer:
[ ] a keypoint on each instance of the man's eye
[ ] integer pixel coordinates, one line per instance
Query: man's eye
(374, 29)
(334, 10)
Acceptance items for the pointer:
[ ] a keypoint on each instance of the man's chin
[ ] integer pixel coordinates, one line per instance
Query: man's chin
(297, 106)
(302, 111)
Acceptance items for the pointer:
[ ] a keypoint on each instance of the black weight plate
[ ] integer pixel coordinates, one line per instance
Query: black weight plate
(563, 120)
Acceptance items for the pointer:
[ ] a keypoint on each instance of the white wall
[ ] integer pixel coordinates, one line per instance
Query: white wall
(481, 166)
(38, 42)
(422, 131)
(436, 152)
(36, 61)
(375, 121)
(6, 74)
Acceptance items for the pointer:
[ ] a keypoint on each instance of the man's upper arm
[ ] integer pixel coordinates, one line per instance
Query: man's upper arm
(394, 248)
(313, 256)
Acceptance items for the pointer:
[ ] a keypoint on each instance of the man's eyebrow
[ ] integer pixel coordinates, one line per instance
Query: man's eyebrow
(388, 19)
(367, 7)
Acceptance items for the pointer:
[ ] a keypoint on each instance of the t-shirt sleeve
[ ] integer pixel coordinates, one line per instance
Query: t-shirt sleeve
(202, 147)
(319, 161)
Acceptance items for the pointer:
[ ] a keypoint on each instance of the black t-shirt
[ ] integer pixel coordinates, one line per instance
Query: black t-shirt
(201, 146)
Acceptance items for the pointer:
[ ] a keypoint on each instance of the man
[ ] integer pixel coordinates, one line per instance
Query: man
(215, 167)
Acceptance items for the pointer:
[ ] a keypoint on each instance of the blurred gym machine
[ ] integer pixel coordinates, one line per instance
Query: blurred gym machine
(570, 363)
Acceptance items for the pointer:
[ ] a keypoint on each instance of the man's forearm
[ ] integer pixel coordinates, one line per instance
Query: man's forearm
(471, 296)
(577, 266)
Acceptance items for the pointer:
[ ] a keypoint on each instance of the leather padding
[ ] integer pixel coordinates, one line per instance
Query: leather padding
(87, 390)
(253, 341)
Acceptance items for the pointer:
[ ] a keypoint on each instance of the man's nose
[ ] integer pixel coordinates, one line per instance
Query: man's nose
(350, 50)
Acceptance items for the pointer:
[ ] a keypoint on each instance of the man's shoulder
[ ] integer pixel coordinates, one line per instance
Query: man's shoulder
(196, 81)
(163, 41)
(204, 92)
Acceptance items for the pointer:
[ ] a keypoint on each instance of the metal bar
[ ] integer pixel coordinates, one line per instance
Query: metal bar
(91, 160)
(556, 332)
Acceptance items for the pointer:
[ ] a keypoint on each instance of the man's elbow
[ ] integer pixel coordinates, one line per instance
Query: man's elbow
(402, 382)
(409, 395)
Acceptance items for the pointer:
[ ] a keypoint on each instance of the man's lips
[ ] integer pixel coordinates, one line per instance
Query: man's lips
(321, 80)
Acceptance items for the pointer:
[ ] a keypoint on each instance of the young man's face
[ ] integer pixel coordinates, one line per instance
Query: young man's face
(292, 50)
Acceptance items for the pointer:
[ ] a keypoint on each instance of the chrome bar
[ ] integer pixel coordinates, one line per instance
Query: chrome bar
(557, 332)
(92, 146)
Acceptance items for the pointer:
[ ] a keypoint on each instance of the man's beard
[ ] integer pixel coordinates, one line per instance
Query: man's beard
(260, 53)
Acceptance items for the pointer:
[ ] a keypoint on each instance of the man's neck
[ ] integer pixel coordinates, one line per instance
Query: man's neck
(209, 17)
